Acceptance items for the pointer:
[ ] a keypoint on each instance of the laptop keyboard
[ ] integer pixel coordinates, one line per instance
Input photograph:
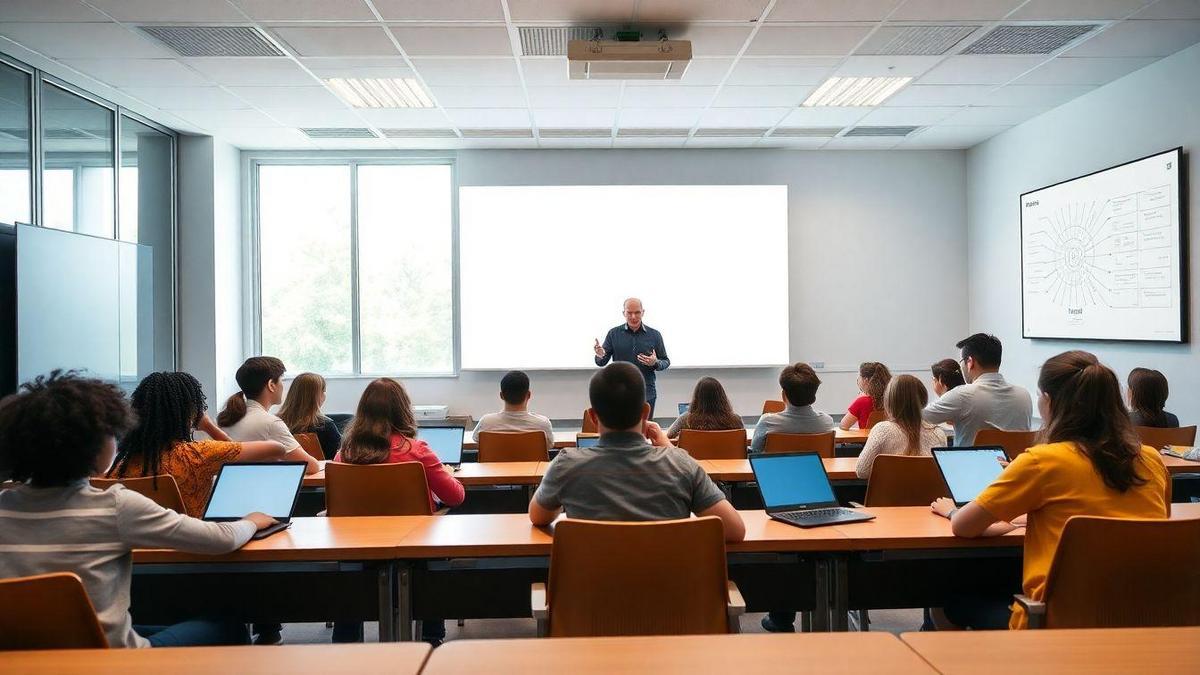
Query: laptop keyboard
(832, 513)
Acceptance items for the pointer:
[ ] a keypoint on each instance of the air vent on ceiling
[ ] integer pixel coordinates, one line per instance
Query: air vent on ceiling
(731, 132)
(805, 132)
(637, 132)
(575, 133)
(214, 40)
(914, 40)
(67, 134)
(497, 133)
(418, 133)
(552, 40)
(1028, 39)
(881, 131)
(338, 132)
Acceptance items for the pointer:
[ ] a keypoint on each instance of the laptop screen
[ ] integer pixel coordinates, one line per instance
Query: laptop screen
(446, 442)
(967, 471)
(587, 441)
(683, 407)
(245, 488)
(791, 480)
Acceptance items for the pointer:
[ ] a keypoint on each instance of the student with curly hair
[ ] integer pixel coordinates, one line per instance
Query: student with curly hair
(55, 433)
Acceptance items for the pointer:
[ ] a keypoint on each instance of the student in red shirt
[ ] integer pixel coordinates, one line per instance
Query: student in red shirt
(873, 378)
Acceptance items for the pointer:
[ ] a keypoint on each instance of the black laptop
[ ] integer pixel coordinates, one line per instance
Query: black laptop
(969, 469)
(795, 489)
(266, 487)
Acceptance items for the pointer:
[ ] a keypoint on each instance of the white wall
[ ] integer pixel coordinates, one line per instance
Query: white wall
(1153, 109)
(877, 243)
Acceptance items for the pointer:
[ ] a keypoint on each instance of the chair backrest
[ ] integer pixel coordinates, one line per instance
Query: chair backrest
(162, 490)
(513, 446)
(772, 406)
(1113, 572)
(589, 425)
(1013, 442)
(727, 444)
(311, 445)
(377, 490)
(1157, 438)
(653, 578)
(819, 443)
(903, 480)
(48, 611)
(874, 418)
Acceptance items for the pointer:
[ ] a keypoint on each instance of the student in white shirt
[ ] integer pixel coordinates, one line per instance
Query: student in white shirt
(987, 400)
(514, 391)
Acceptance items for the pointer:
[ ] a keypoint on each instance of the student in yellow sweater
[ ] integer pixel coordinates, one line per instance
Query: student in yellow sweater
(1090, 463)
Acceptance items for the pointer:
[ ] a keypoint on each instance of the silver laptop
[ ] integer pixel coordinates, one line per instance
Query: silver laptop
(446, 442)
(795, 489)
(969, 469)
(265, 487)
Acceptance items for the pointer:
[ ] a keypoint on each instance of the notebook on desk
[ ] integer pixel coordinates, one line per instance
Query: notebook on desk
(795, 489)
(247, 487)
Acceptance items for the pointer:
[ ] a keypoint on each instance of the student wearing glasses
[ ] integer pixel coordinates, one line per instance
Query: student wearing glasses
(987, 400)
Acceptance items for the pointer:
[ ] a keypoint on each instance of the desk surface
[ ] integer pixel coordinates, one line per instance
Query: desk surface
(566, 439)
(1121, 650)
(832, 653)
(738, 470)
(398, 658)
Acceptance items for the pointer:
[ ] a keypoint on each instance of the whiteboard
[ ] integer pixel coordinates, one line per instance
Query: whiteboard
(543, 272)
(1102, 255)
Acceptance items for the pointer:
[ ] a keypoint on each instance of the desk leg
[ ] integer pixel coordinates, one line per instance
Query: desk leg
(820, 618)
(840, 601)
(404, 605)
(387, 602)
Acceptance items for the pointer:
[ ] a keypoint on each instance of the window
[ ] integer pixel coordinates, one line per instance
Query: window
(15, 154)
(77, 177)
(355, 267)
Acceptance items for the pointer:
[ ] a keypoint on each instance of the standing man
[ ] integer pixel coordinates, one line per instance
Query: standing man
(636, 343)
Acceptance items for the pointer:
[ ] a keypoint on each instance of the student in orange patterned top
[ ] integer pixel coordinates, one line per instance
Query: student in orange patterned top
(170, 407)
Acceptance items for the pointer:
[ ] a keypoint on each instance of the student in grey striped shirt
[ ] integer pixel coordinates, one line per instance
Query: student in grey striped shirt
(54, 434)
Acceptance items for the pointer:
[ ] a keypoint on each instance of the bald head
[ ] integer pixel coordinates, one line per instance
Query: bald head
(633, 313)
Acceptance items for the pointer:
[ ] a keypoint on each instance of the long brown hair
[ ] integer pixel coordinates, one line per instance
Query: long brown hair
(1086, 409)
(252, 377)
(710, 409)
(383, 410)
(1148, 396)
(877, 377)
(903, 400)
(301, 410)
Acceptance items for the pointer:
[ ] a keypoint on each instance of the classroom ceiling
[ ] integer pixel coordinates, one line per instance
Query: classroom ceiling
(755, 62)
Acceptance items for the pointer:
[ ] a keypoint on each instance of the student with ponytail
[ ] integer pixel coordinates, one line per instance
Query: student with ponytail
(1089, 463)
(873, 378)
(246, 416)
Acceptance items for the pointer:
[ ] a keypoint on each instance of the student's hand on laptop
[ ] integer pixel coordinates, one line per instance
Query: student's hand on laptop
(448, 469)
(1020, 521)
(1003, 461)
(656, 435)
(260, 520)
(942, 506)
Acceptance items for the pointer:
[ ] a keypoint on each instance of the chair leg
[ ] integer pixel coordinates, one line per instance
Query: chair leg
(864, 620)
(805, 622)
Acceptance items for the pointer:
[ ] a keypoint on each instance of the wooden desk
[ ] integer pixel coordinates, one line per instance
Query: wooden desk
(797, 653)
(1176, 465)
(475, 474)
(1114, 650)
(739, 471)
(566, 439)
(400, 659)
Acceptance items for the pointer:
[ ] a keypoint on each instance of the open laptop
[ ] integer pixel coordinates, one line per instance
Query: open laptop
(683, 407)
(795, 489)
(446, 443)
(246, 487)
(969, 469)
(587, 441)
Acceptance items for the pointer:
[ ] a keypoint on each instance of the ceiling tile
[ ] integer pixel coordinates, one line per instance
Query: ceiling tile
(539, 71)
(719, 142)
(973, 69)
(794, 143)
(1034, 95)
(316, 117)
(49, 10)
(742, 117)
(168, 10)
(664, 118)
(221, 119)
(954, 10)
(908, 116)
(1096, 71)
(832, 10)
(454, 10)
(1141, 38)
(84, 40)
(863, 143)
(734, 96)
(667, 97)
(409, 118)
(353, 62)
(772, 71)
(252, 71)
(1075, 10)
(298, 98)
(824, 117)
(1171, 9)
(569, 143)
(886, 66)
(690, 10)
(461, 72)
(575, 11)
(703, 71)
(938, 94)
(353, 143)
(567, 118)
(807, 40)
(306, 10)
(649, 142)
(336, 40)
(139, 72)
(992, 115)
(266, 139)
(489, 118)
(947, 137)
(498, 143)
(709, 39)
(186, 98)
(453, 40)
(479, 97)
(581, 95)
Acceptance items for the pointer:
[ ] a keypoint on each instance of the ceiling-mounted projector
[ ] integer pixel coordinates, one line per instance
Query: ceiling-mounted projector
(621, 60)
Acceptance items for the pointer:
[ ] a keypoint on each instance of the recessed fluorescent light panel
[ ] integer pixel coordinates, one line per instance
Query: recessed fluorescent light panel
(855, 91)
(391, 92)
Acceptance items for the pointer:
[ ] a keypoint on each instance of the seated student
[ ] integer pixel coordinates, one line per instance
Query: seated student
(1148, 399)
(904, 432)
(54, 434)
(170, 407)
(946, 376)
(709, 410)
(799, 383)
(634, 473)
(246, 416)
(1090, 464)
(301, 412)
(986, 400)
(514, 391)
(873, 378)
(384, 431)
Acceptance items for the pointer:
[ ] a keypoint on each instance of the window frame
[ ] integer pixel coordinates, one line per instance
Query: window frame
(252, 242)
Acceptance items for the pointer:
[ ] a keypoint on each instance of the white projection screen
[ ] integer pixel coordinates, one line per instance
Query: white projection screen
(1101, 255)
(544, 269)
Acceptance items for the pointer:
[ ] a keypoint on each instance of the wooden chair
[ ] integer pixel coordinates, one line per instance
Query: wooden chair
(162, 490)
(772, 406)
(1119, 573)
(651, 578)
(1159, 438)
(311, 445)
(513, 446)
(727, 444)
(819, 443)
(874, 418)
(376, 490)
(1013, 442)
(900, 480)
(48, 611)
(589, 425)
